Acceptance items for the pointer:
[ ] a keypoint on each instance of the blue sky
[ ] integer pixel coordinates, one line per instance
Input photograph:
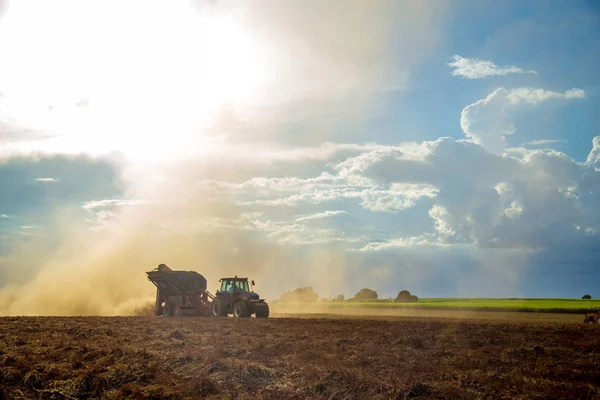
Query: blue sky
(556, 39)
(444, 148)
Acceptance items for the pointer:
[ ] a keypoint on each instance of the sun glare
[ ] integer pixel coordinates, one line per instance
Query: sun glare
(142, 78)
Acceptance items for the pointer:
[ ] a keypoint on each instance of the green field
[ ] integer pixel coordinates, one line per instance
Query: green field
(522, 305)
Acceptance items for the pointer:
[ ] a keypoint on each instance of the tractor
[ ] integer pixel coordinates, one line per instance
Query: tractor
(235, 297)
(592, 317)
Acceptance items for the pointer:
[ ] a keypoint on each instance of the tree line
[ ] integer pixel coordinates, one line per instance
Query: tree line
(308, 295)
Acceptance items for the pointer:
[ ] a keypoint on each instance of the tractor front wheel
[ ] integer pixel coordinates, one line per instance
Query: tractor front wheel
(262, 312)
(218, 308)
(240, 310)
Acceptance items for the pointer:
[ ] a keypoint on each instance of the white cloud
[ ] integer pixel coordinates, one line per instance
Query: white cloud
(473, 68)
(3, 216)
(514, 210)
(324, 189)
(301, 231)
(400, 196)
(485, 200)
(467, 197)
(444, 221)
(475, 198)
(426, 240)
(321, 215)
(46, 180)
(487, 121)
(103, 213)
(543, 142)
(535, 96)
(594, 156)
(109, 203)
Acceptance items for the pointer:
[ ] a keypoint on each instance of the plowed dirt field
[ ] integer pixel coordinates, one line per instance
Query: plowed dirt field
(295, 358)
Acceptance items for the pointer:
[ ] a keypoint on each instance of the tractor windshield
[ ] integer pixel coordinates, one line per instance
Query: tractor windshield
(231, 285)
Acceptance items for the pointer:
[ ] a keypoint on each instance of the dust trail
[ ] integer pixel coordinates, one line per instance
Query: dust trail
(102, 272)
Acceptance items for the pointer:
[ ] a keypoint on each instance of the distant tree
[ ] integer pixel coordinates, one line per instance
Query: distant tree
(300, 295)
(587, 297)
(404, 296)
(365, 295)
(340, 297)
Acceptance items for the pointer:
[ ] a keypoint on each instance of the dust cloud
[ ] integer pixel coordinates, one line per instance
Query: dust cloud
(102, 272)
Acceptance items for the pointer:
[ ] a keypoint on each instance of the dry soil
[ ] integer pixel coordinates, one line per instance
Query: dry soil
(296, 358)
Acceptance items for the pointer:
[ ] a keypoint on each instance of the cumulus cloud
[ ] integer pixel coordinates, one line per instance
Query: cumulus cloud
(473, 68)
(487, 121)
(594, 156)
(46, 180)
(398, 197)
(486, 200)
(470, 196)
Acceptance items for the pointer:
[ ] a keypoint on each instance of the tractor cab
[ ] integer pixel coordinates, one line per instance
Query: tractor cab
(234, 289)
(232, 285)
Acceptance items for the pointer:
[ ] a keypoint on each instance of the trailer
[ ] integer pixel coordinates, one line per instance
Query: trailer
(180, 293)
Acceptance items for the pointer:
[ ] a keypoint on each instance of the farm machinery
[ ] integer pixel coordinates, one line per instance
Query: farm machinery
(235, 297)
(181, 293)
(593, 317)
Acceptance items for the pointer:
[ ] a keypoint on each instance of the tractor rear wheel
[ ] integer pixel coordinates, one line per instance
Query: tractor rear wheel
(262, 312)
(166, 311)
(240, 310)
(218, 308)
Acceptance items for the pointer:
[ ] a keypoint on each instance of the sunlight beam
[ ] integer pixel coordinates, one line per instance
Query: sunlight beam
(135, 77)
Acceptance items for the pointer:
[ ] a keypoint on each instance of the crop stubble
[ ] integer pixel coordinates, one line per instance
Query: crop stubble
(180, 358)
